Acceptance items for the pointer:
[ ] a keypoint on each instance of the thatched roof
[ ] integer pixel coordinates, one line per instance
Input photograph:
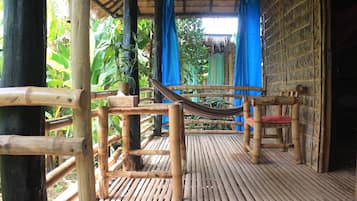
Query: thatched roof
(182, 7)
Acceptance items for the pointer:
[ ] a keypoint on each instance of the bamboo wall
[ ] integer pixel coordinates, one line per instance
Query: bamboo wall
(292, 55)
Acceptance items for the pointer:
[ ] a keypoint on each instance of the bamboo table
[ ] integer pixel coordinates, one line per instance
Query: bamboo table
(177, 148)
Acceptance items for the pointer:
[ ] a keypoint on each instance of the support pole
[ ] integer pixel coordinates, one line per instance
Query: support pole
(81, 80)
(157, 61)
(175, 155)
(246, 114)
(130, 32)
(103, 152)
(23, 177)
(257, 137)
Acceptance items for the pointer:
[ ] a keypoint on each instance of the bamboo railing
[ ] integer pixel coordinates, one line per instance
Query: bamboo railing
(69, 165)
(40, 145)
(177, 150)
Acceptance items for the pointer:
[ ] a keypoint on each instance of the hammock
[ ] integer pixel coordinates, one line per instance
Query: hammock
(195, 108)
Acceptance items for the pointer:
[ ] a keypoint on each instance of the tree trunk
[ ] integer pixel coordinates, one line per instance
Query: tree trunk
(23, 177)
(130, 32)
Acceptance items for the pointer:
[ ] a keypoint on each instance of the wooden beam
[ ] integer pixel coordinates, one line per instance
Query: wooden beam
(40, 145)
(39, 96)
(133, 174)
(81, 80)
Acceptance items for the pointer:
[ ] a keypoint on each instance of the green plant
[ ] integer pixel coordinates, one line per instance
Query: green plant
(193, 52)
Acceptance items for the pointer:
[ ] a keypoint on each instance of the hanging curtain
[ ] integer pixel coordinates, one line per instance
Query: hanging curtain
(170, 57)
(247, 69)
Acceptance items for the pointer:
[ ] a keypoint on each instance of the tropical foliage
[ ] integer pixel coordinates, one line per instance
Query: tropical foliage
(193, 52)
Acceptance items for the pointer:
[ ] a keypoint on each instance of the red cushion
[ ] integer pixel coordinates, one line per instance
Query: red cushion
(273, 119)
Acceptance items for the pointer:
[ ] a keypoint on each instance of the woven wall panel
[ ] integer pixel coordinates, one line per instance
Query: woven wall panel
(292, 56)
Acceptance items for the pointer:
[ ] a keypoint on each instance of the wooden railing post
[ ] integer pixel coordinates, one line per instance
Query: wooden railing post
(103, 151)
(182, 139)
(81, 80)
(257, 134)
(127, 165)
(175, 155)
(246, 113)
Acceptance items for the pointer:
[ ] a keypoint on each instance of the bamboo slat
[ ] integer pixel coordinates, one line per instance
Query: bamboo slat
(149, 152)
(213, 132)
(40, 96)
(40, 145)
(141, 109)
(58, 123)
(103, 94)
(60, 171)
(222, 87)
(135, 174)
(201, 95)
(273, 100)
(209, 121)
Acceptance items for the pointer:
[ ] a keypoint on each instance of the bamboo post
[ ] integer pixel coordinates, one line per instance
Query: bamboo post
(295, 132)
(246, 115)
(176, 168)
(81, 80)
(257, 134)
(182, 139)
(103, 152)
(126, 142)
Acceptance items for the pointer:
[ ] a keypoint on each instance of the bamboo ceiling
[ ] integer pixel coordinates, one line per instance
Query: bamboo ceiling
(182, 7)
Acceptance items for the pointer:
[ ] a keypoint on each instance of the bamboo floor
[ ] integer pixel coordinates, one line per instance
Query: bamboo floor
(218, 169)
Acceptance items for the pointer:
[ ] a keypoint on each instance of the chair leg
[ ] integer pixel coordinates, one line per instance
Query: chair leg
(295, 133)
(246, 134)
(246, 137)
(257, 136)
(280, 139)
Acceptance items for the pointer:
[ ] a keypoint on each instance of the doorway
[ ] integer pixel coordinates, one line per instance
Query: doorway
(344, 85)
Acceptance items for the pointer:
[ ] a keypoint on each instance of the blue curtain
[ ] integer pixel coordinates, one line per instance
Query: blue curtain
(247, 69)
(170, 57)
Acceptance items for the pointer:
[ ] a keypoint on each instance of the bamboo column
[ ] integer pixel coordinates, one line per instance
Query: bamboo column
(81, 80)
(127, 164)
(182, 139)
(175, 155)
(103, 152)
(246, 136)
(295, 132)
(257, 134)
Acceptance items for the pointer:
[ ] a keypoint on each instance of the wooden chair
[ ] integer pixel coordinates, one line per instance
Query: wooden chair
(258, 122)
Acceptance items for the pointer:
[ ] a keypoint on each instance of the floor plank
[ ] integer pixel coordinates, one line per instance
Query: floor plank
(218, 169)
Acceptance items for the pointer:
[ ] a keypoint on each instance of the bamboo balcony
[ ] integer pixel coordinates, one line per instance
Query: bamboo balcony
(219, 169)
